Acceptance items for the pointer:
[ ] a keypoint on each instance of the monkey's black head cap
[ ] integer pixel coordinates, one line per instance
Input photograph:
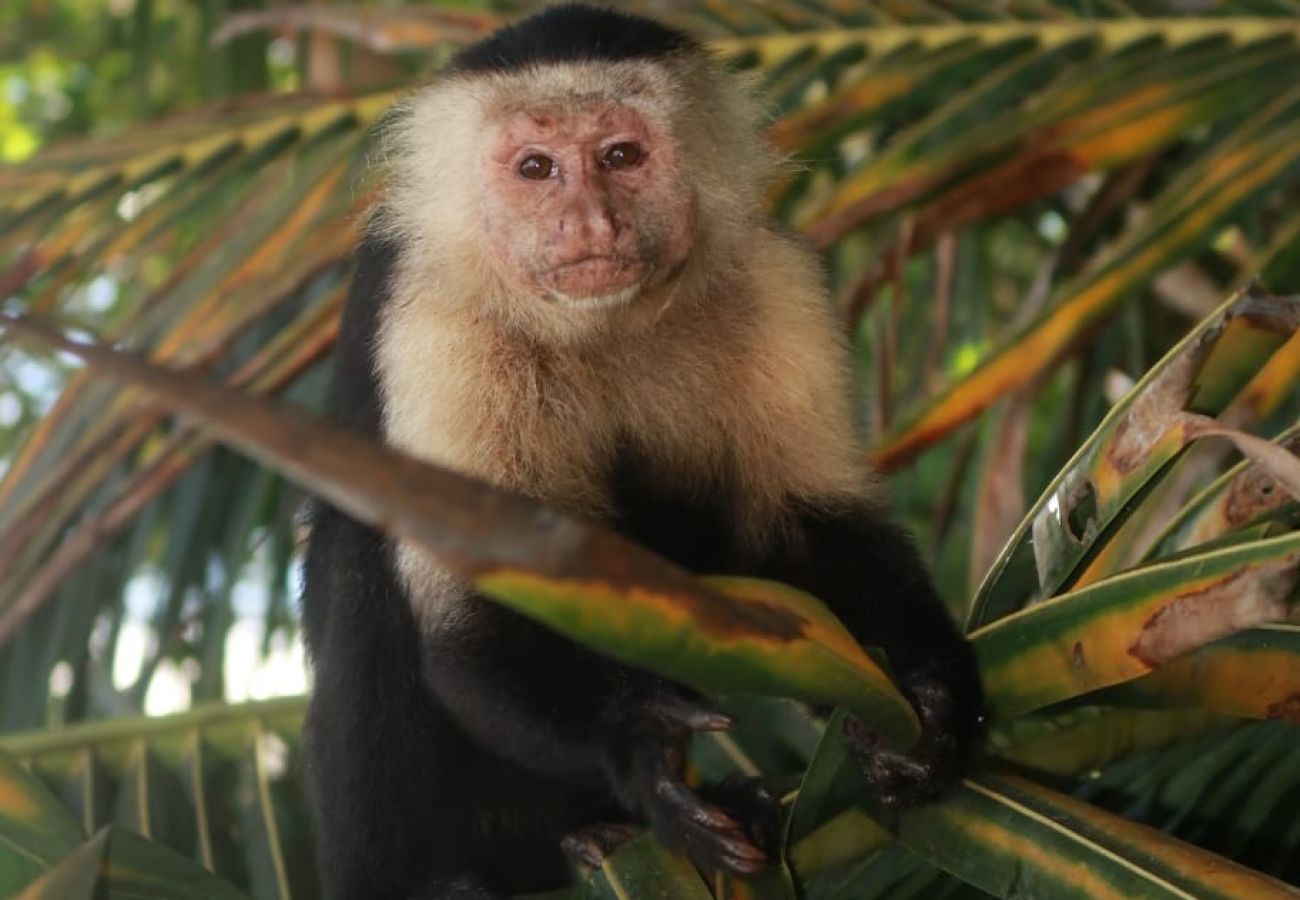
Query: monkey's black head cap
(573, 32)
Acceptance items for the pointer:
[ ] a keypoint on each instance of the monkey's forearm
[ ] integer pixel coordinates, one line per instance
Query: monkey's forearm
(559, 710)
(868, 570)
(533, 696)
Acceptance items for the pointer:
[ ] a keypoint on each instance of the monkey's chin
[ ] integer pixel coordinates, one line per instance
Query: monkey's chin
(594, 302)
(595, 282)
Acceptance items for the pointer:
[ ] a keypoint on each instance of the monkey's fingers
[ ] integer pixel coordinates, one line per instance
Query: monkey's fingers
(709, 836)
(754, 806)
(900, 780)
(692, 714)
(691, 807)
(589, 846)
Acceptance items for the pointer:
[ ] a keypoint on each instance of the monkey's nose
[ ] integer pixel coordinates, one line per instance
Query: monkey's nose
(590, 219)
(599, 226)
(585, 229)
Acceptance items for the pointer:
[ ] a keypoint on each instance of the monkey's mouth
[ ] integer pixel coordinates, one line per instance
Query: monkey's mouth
(595, 278)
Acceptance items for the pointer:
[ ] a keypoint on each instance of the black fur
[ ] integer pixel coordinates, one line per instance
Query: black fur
(571, 33)
(454, 766)
(408, 803)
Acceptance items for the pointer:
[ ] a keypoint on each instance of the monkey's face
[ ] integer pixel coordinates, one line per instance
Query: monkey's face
(586, 207)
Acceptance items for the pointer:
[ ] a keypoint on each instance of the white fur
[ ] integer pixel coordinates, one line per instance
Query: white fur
(600, 301)
(736, 363)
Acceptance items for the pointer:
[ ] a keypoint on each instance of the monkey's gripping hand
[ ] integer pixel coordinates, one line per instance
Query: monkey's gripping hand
(867, 569)
(950, 721)
(648, 740)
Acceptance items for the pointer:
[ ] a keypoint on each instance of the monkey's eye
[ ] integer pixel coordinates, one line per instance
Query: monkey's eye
(622, 156)
(537, 167)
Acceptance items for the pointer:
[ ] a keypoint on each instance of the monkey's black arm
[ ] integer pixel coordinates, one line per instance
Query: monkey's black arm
(868, 571)
(381, 766)
(558, 709)
(530, 694)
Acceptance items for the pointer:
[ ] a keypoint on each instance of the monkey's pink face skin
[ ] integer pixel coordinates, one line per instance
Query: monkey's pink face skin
(588, 208)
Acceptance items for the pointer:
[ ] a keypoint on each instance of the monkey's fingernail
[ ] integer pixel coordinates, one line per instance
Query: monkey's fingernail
(582, 849)
(744, 867)
(710, 720)
(699, 812)
(695, 715)
(738, 848)
(711, 817)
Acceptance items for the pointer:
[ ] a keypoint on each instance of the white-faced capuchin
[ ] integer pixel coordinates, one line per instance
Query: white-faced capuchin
(571, 289)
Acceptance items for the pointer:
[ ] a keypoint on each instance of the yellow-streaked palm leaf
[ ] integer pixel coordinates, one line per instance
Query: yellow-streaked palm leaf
(1253, 674)
(35, 830)
(1089, 738)
(1242, 496)
(1014, 838)
(1122, 628)
(643, 868)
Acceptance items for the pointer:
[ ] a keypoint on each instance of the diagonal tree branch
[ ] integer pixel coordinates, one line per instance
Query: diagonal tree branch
(473, 528)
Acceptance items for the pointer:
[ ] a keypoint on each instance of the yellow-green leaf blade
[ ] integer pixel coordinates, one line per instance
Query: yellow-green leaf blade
(1088, 738)
(565, 571)
(75, 877)
(1121, 628)
(642, 868)
(832, 783)
(756, 637)
(1253, 673)
(137, 867)
(35, 830)
(1014, 838)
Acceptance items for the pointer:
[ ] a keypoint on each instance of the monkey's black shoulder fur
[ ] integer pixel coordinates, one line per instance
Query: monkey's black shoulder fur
(571, 33)
(405, 801)
(453, 764)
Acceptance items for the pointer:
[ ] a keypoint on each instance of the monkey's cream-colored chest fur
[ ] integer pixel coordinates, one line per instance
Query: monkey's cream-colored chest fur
(754, 380)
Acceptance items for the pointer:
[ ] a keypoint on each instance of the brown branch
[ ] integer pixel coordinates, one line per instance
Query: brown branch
(381, 29)
(1114, 195)
(946, 265)
(473, 528)
(1000, 495)
(23, 270)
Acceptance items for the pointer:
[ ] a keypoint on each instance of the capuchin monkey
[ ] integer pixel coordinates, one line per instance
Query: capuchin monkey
(571, 289)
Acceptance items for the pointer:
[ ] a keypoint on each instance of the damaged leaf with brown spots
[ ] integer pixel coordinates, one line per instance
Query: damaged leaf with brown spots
(1253, 674)
(1245, 495)
(1122, 628)
(1136, 441)
(754, 636)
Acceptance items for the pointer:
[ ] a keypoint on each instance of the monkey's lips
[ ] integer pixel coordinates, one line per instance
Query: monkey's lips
(594, 276)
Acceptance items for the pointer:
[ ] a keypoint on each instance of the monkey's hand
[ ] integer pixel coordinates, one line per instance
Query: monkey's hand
(648, 740)
(949, 723)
